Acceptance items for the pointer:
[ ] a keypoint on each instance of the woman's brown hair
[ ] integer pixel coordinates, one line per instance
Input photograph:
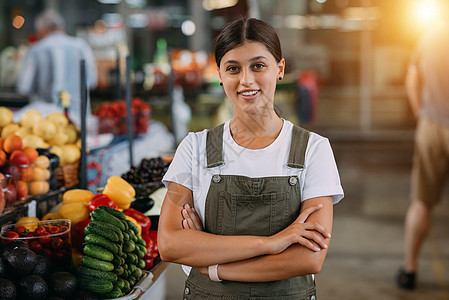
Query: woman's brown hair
(237, 32)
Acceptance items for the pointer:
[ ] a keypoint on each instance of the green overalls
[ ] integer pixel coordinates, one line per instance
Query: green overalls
(240, 205)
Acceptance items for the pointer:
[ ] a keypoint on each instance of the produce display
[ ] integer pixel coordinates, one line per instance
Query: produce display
(35, 261)
(113, 254)
(147, 176)
(112, 116)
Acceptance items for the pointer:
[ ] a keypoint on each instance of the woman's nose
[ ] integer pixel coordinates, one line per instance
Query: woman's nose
(247, 77)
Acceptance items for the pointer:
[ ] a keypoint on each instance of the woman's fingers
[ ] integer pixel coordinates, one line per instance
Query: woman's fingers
(191, 220)
(307, 212)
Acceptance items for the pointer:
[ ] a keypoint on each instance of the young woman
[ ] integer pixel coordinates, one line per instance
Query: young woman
(249, 203)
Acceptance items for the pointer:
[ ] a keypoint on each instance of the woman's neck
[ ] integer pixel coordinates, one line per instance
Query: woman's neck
(255, 131)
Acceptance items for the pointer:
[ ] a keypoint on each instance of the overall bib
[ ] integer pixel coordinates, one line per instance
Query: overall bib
(240, 205)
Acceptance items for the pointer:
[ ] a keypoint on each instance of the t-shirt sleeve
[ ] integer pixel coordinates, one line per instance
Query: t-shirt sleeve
(321, 176)
(180, 169)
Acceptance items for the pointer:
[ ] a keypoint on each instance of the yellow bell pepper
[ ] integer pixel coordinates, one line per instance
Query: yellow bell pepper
(30, 222)
(76, 212)
(136, 223)
(77, 195)
(119, 191)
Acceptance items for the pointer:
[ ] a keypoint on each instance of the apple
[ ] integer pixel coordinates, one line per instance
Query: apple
(10, 194)
(19, 158)
(10, 169)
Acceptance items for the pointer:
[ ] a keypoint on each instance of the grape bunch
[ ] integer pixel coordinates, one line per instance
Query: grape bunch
(147, 175)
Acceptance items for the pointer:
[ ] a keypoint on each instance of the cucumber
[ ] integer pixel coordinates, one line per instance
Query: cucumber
(119, 270)
(114, 212)
(98, 252)
(141, 241)
(126, 236)
(141, 263)
(133, 227)
(99, 286)
(89, 273)
(132, 258)
(104, 216)
(102, 242)
(137, 273)
(129, 246)
(97, 264)
(114, 228)
(101, 230)
(120, 283)
(115, 293)
(127, 287)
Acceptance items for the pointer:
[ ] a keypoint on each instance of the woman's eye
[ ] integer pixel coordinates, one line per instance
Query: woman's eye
(259, 66)
(232, 69)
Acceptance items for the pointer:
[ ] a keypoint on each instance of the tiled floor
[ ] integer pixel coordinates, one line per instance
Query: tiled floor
(367, 238)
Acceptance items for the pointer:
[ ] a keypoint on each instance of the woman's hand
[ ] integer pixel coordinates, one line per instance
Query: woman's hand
(310, 235)
(190, 218)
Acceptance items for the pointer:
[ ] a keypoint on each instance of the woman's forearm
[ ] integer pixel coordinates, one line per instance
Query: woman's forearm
(199, 249)
(297, 260)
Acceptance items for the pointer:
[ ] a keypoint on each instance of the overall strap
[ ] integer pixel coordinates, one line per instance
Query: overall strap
(298, 146)
(214, 147)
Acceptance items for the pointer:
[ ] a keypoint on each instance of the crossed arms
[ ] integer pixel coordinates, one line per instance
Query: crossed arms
(299, 249)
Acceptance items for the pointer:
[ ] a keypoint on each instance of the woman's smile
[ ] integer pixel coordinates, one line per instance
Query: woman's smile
(248, 95)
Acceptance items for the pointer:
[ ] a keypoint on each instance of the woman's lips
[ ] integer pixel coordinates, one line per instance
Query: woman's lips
(249, 94)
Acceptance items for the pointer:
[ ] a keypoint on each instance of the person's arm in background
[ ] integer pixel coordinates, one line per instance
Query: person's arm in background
(27, 75)
(413, 88)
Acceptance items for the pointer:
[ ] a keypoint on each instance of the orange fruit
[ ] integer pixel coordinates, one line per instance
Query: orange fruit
(31, 153)
(12, 142)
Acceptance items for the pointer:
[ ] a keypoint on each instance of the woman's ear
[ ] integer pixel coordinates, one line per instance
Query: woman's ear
(281, 66)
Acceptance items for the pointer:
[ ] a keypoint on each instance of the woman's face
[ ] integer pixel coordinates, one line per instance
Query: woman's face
(249, 73)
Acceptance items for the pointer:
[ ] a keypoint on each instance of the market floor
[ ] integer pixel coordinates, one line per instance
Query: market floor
(367, 237)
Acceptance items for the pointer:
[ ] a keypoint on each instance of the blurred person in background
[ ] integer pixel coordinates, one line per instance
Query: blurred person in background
(52, 65)
(427, 85)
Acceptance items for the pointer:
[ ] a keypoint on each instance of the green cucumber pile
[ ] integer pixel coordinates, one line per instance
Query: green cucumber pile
(113, 251)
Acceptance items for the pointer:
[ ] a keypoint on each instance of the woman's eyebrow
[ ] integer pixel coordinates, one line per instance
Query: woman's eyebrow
(252, 59)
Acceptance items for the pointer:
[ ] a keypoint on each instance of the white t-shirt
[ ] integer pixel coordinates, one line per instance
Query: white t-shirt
(318, 178)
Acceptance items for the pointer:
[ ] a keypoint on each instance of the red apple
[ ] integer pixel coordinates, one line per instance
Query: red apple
(19, 158)
(11, 169)
(10, 194)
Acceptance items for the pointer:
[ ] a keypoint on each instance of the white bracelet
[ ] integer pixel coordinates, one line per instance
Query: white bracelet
(213, 273)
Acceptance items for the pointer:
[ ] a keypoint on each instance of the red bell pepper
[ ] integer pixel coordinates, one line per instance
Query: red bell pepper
(77, 234)
(143, 220)
(100, 199)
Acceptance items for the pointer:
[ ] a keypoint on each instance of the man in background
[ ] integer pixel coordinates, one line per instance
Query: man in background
(52, 65)
(427, 86)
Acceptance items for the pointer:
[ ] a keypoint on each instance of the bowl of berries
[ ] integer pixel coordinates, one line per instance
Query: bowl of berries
(50, 238)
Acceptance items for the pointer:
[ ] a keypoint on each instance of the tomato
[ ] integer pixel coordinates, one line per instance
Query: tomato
(30, 234)
(100, 199)
(63, 228)
(60, 254)
(11, 235)
(148, 263)
(21, 230)
(36, 246)
(48, 251)
(40, 230)
(57, 243)
(45, 238)
(54, 230)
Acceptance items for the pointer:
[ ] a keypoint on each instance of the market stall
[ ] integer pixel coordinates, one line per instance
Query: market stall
(40, 160)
